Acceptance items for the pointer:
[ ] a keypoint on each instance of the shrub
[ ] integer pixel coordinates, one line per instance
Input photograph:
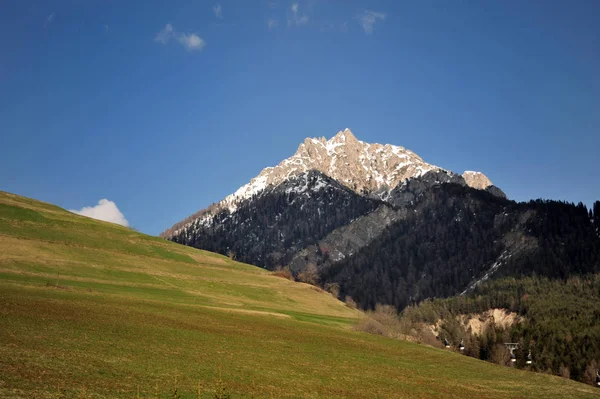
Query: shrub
(310, 275)
(350, 302)
(368, 325)
(381, 321)
(500, 355)
(564, 372)
(385, 314)
(333, 289)
(283, 272)
(589, 377)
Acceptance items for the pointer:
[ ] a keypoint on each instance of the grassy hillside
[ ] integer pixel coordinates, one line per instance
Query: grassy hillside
(92, 309)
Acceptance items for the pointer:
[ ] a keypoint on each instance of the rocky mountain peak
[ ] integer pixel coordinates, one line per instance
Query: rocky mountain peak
(361, 166)
(345, 136)
(476, 180)
(372, 169)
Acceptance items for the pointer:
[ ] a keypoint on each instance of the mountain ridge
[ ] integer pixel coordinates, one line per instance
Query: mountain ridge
(368, 169)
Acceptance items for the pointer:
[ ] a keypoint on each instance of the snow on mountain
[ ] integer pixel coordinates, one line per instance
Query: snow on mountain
(370, 169)
(360, 166)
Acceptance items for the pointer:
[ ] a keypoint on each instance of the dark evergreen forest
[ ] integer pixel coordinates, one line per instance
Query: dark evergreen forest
(456, 235)
(268, 229)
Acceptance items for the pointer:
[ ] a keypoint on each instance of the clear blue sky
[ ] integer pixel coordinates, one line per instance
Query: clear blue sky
(101, 99)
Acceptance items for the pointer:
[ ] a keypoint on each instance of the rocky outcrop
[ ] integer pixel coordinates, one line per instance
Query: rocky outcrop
(407, 193)
(476, 180)
(346, 240)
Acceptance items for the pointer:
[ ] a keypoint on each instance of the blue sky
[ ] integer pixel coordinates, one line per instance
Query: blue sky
(166, 107)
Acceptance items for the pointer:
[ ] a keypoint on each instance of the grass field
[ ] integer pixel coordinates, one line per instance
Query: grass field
(93, 310)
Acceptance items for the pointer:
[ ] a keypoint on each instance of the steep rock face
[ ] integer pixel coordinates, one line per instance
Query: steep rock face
(476, 180)
(361, 166)
(407, 193)
(346, 240)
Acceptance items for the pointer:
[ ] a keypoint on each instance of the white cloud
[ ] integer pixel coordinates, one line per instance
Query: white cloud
(303, 20)
(105, 210)
(272, 23)
(49, 19)
(369, 18)
(218, 10)
(295, 17)
(191, 41)
(106, 28)
(165, 34)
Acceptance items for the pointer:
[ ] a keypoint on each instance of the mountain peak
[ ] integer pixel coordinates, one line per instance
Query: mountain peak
(360, 166)
(375, 169)
(345, 135)
(476, 180)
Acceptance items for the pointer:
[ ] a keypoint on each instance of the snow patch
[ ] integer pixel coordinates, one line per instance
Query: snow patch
(503, 257)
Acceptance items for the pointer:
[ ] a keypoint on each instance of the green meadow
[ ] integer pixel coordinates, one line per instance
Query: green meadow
(90, 309)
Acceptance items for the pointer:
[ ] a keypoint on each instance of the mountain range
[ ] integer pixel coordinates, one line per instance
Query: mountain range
(388, 227)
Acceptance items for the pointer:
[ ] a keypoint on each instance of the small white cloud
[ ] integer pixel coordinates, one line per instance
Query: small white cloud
(190, 41)
(49, 19)
(164, 35)
(272, 23)
(106, 28)
(105, 210)
(295, 18)
(218, 10)
(369, 18)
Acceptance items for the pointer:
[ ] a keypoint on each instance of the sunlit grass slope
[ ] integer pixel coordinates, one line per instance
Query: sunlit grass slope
(92, 309)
